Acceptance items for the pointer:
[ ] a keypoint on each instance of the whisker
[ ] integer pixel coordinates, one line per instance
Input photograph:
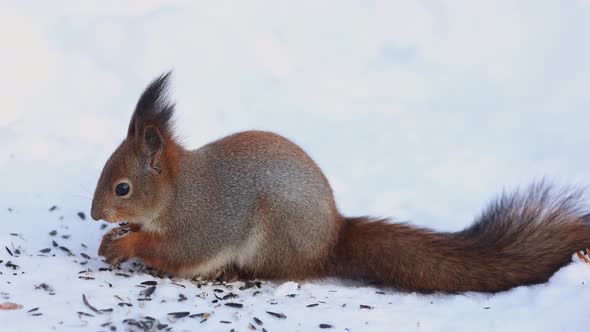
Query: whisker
(81, 196)
(83, 187)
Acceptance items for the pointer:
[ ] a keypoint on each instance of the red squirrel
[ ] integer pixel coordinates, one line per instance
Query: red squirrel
(255, 205)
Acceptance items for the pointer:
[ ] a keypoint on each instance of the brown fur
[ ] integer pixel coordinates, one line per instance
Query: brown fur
(254, 204)
(424, 261)
(143, 245)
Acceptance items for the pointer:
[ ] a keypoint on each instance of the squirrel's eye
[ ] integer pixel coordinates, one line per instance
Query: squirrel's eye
(122, 189)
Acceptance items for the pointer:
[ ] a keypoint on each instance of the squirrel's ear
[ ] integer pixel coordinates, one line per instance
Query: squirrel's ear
(154, 108)
(153, 145)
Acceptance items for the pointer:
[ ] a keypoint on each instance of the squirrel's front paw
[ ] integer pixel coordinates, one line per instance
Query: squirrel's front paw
(111, 246)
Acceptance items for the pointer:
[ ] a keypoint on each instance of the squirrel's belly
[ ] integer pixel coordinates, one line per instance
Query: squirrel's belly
(243, 255)
(210, 266)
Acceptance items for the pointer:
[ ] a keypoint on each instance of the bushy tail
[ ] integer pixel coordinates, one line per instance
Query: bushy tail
(520, 239)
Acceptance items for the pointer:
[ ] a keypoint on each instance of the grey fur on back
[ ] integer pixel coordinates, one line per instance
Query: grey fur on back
(253, 189)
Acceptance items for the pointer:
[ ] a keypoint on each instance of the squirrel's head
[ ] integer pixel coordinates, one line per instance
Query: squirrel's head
(136, 181)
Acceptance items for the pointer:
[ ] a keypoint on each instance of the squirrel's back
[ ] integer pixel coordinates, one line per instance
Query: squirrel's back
(261, 197)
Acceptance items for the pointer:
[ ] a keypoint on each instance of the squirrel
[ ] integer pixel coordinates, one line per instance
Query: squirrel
(255, 205)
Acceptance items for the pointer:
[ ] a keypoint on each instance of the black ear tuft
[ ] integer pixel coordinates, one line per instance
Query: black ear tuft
(154, 108)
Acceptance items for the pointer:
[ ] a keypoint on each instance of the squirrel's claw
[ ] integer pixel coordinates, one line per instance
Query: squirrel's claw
(583, 257)
(110, 247)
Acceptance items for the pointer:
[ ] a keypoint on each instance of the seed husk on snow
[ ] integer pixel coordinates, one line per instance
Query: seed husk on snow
(81, 313)
(150, 283)
(85, 278)
(148, 291)
(176, 315)
(85, 300)
(201, 315)
(277, 314)
(66, 249)
(45, 287)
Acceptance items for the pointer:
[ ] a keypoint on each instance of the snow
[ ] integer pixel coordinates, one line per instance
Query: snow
(418, 110)
(561, 304)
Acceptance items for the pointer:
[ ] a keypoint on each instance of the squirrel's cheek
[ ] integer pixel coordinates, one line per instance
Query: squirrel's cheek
(114, 215)
(121, 216)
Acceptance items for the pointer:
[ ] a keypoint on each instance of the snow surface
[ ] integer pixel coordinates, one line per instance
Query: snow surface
(560, 304)
(420, 110)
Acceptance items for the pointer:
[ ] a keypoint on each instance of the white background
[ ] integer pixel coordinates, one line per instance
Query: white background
(420, 110)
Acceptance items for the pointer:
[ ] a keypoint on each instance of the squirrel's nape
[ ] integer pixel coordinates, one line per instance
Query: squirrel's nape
(521, 239)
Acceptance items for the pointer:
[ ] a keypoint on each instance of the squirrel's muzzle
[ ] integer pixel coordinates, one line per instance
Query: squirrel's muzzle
(96, 213)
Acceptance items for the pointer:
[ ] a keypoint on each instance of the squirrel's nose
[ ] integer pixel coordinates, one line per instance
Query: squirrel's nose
(95, 215)
(95, 212)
